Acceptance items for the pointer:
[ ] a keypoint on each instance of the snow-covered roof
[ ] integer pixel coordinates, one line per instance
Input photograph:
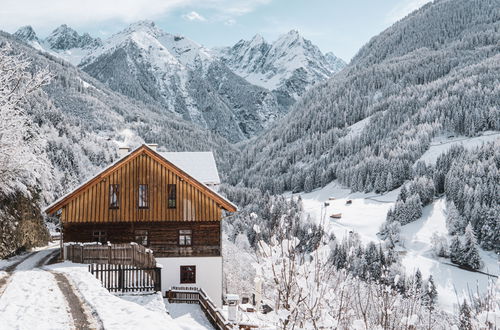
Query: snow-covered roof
(199, 165)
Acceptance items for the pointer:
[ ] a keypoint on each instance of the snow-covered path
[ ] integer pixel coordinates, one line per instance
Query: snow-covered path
(32, 299)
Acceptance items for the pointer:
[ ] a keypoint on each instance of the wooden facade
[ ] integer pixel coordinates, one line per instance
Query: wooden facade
(162, 238)
(144, 193)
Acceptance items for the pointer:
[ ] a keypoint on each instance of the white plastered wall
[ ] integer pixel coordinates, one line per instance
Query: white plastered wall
(208, 275)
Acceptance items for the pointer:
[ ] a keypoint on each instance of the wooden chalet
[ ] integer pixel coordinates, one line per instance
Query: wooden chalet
(166, 202)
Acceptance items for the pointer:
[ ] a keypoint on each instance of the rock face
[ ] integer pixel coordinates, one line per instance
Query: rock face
(26, 33)
(236, 92)
(63, 42)
(151, 65)
(289, 66)
(64, 38)
(21, 224)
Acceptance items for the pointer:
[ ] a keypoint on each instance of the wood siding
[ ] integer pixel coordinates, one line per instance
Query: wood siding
(162, 237)
(92, 205)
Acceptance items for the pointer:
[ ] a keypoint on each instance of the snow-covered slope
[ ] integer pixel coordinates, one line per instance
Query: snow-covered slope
(63, 42)
(441, 144)
(290, 65)
(368, 211)
(79, 118)
(151, 65)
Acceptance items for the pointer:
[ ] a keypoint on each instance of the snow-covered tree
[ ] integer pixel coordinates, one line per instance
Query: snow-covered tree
(429, 293)
(469, 253)
(454, 221)
(440, 245)
(465, 317)
(21, 159)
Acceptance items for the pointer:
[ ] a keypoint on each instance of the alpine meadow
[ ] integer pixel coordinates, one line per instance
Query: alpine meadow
(148, 180)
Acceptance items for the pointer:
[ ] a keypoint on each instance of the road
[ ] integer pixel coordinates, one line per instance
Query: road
(34, 298)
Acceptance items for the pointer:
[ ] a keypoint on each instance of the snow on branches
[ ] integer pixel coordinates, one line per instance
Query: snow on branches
(20, 164)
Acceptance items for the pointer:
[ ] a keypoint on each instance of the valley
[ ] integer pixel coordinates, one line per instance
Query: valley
(366, 194)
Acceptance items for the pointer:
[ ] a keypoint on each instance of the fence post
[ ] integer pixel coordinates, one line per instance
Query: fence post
(109, 253)
(157, 279)
(120, 278)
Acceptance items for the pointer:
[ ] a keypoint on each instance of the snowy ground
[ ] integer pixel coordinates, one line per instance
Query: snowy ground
(117, 312)
(364, 216)
(368, 211)
(450, 280)
(443, 143)
(32, 299)
(188, 316)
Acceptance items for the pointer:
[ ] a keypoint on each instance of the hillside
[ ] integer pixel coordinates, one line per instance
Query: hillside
(376, 117)
(80, 119)
(180, 76)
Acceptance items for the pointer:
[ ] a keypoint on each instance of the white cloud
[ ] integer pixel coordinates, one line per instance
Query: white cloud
(14, 13)
(230, 21)
(241, 7)
(193, 16)
(50, 13)
(403, 9)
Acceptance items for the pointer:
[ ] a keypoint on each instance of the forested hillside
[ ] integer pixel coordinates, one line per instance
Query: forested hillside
(78, 119)
(436, 71)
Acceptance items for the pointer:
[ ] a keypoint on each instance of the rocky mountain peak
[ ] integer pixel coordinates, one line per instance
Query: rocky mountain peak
(64, 38)
(26, 33)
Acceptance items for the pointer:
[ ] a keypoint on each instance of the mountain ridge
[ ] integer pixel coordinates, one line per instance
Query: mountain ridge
(290, 65)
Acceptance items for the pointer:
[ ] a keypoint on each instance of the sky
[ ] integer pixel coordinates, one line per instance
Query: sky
(339, 26)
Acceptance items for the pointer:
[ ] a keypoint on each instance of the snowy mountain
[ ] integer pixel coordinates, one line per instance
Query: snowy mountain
(176, 73)
(63, 42)
(289, 66)
(430, 73)
(80, 119)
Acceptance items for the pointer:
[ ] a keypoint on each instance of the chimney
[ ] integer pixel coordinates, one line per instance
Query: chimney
(153, 146)
(123, 151)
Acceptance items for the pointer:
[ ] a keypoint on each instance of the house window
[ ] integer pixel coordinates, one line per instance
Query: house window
(114, 194)
(185, 237)
(141, 237)
(143, 196)
(99, 236)
(172, 200)
(188, 274)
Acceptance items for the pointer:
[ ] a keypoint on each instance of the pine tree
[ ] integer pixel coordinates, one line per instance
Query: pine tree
(465, 317)
(469, 253)
(430, 293)
(389, 182)
(454, 221)
(418, 280)
(455, 249)
(403, 194)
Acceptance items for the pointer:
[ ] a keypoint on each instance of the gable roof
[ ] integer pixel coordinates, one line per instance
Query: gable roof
(200, 165)
(63, 200)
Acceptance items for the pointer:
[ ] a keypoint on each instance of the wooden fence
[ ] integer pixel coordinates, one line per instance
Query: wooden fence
(125, 278)
(188, 295)
(131, 254)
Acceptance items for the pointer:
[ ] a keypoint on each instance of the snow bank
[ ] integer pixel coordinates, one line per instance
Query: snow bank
(188, 316)
(113, 311)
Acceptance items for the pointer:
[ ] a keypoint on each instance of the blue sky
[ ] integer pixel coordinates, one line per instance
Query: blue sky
(334, 25)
